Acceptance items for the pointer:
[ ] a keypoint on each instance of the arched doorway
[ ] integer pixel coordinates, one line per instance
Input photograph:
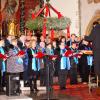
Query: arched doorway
(96, 17)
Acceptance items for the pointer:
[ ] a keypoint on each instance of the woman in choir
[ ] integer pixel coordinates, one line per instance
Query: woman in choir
(49, 66)
(15, 63)
(33, 66)
(64, 67)
(63, 39)
(42, 48)
(56, 61)
(25, 63)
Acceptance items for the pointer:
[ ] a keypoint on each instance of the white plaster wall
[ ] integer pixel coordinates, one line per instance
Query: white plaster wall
(87, 12)
(68, 8)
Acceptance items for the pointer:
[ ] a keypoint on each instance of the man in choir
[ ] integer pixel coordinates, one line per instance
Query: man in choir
(72, 39)
(33, 66)
(64, 67)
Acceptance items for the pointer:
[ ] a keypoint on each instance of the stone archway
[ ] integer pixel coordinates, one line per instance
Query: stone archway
(94, 18)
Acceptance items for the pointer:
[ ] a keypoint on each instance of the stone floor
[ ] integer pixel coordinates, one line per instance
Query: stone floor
(41, 95)
(73, 92)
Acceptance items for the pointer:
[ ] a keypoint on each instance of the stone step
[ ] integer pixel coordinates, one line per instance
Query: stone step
(22, 97)
(40, 88)
(28, 88)
(22, 83)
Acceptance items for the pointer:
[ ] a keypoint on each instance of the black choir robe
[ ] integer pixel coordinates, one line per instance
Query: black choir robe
(95, 38)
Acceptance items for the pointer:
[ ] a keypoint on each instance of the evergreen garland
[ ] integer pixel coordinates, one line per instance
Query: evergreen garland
(52, 23)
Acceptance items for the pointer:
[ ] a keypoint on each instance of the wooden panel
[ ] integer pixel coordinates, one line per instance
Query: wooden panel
(30, 4)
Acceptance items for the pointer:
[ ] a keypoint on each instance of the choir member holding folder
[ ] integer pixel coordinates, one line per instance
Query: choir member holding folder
(64, 67)
(33, 66)
(14, 65)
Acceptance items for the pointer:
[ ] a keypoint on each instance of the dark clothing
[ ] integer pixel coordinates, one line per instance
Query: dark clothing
(25, 64)
(49, 73)
(63, 70)
(69, 43)
(30, 56)
(7, 44)
(21, 45)
(32, 73)
(73, 74)
(73, 69)
(34, 78)
(42, 68)
(62, 78)
(57, 61)
(42, 77)
(95, 38)
(83, 64)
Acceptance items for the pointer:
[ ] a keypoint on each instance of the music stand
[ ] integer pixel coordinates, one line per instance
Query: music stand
(48, 86)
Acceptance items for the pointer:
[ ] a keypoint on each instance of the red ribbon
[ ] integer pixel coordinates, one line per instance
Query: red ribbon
(47, 11)
(38, 13)
(44, 31)
(33, 16)
(59, 15)
(57, 12)
(68, 32)
(52, 34)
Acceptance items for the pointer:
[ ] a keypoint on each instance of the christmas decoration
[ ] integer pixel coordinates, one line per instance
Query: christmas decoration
(35, 24)
(48, 22)
(51, 23)
(52, 35)
(57, 24)
(68, 31)
(44, 31)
